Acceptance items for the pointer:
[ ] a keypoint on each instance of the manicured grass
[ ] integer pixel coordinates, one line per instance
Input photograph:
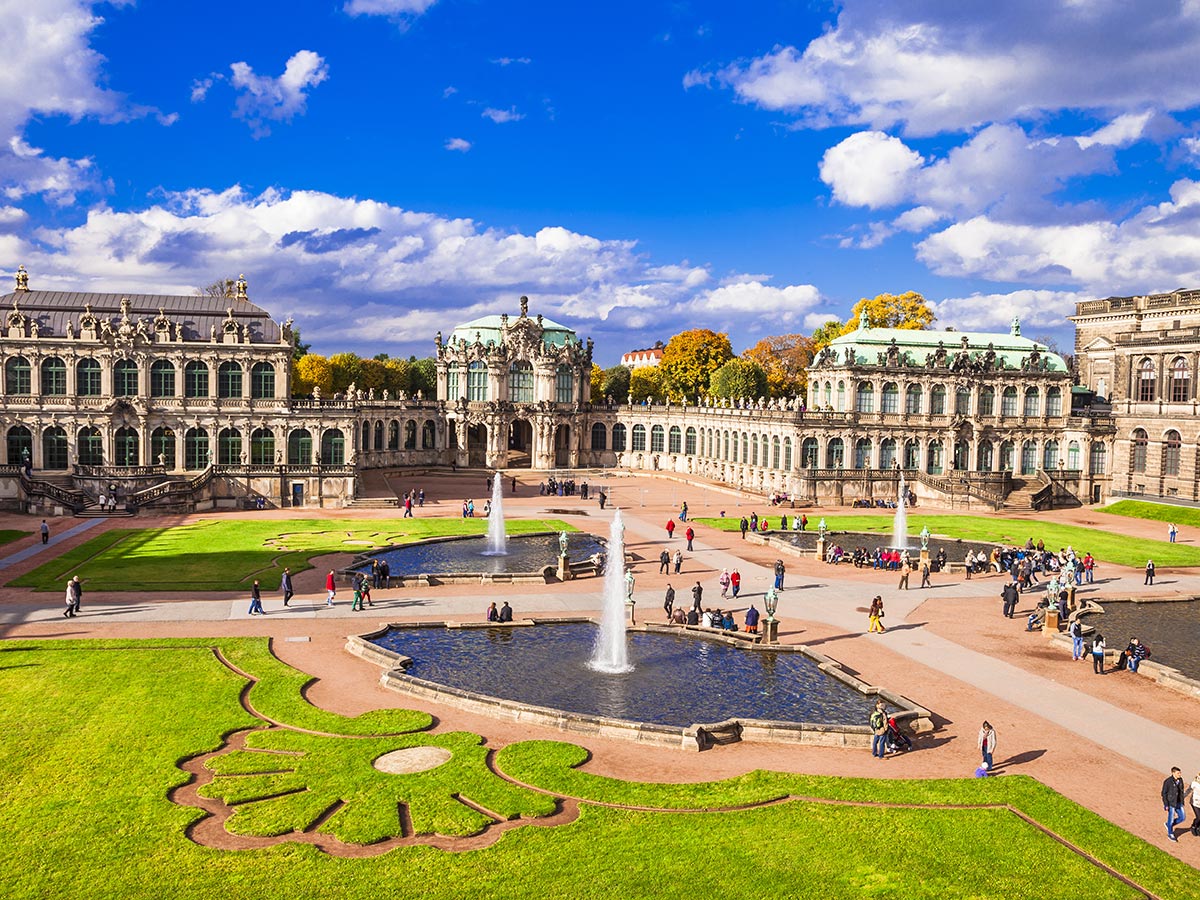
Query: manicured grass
(8, 535)
(227, 555)
(1158, 512)
(1107, 547)
(94, 730)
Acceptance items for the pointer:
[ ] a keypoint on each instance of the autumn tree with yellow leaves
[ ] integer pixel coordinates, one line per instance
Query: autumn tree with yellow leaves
(689, 361)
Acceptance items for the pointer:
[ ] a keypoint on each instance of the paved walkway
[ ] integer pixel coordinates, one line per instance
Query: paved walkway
(55, 539)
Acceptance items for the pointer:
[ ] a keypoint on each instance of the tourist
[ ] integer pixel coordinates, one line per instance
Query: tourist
(723, 581)
(514, 485)
(505, 612)
(1194, 790)
(735, 582)
(602, 499)
(78, 594)
(670, 529)
(796, 523)
(874, 615)
(664, 561)
(464, 509)
(679, 617)
(669, 601)
(1172, 797)
(493, 614)
(1149, 572)
(780, 569)
(987, 743)
(925, 575)
(69, 612)
(689, 534)
(697, 596)
(385, 573)
(744, 525)
(1171, 532)
(678, 559)
(707, 619)
(754, 521)
(256, 606)
(470, 509)
(421, 497)
(285, 585)
(727, 623)
(752, 620)
(904, 570)
(693, 617)
(357, 584)
(331, 587)
(1098, 654)
(45, 532)
(683, 512)
(1075, 630)
(803, 522)
(1009, 595)
(1089, 565)
(366, 591)
(878, 723)
(1134, 654)
(408, 513)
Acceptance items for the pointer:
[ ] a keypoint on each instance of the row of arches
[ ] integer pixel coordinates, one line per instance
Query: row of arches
(55, 381)
(773, 451)
(1178, 387)
(521, 388)
(916, 400)
(930, 456)
(381, 435)
(1170, 449)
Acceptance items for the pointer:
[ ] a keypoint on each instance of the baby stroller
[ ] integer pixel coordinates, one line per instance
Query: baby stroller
(897, 740)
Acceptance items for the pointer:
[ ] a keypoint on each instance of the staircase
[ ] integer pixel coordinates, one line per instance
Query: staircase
(1020, 498)
(95, 512)
(373, 503)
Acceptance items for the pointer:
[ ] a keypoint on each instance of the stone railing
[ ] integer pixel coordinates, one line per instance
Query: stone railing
(71, 499)
(119, 471)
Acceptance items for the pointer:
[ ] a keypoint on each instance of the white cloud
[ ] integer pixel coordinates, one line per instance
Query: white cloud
(1120, 132)
(751, 297)
(511, 61)
(916, 219)
(500, 116)
(869, 169)
(460, 144)
(264, 98)
(995, 312)
(813, 321)
(929, 67)
(393, 8)
(201, 86)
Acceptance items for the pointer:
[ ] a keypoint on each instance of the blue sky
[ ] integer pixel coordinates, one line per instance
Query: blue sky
(384, 169)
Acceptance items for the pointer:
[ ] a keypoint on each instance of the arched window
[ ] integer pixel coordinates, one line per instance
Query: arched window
(1029, 457)
(1054, 401)
(299, 448)
(1146, 380)
(962, 456)
(229, 447)
(835, 453)
(656, 439)
(125, 447)
(675, 440)
(1073, 455)
(410, 434)
(983, 460)
(841, 397)
(912, 455)
(766, 444)
(20, 446)
(829, 394)
(775, 448)
(987, 401)
(754, 452)
(937, 400)
(639, 438)
(162, 378)
(365, 444)
(935, 462)
(229, 380)
(745, 447)
(195, 448)
(262, 381)
(162, 447)
(564, 385)
(379, 442)
(18, 378)
(1181, 381)
(891, 398)
(520, 382)
(808, 453)
(452, 386)
(54, 446)
(89, 447)
(962, 401)
(1007, 449)
(1032, 402)
(1140, 443)
(333, 447)
(737, 443)
(887, 453)
(862, 453)
(1008, 402)
(477, 382)
(864, 399)
(618, 436)
(599, 436)
(393, 442)
(725, 454)
(87, 378)
(428, 435)
(195, 382)
(1098, 458)
(1050, 456)
(1171, 447)
(54, 377)
(262, 447)
(912, 400)
(125, 379)
(787, 454)
(689, 442)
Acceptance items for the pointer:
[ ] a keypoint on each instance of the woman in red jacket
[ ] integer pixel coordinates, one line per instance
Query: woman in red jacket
(331, 587)
(670, 528)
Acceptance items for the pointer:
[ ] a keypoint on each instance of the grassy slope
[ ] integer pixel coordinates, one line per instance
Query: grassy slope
(7, 536)
(1158, 512)
(93, 732)
(227, 555)
(1107, 547)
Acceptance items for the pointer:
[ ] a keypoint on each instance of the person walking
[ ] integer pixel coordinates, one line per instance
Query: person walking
(285, 585)
(987, 743)
(670, 529)
(69, 612)
(669, 602)
(357, 604)
(45, 532)
(1075, 630)
(408, 513)
(1172, 798)
(421, 497)
(744, 524)
(735, 582)
(1149, 572)
(925, 575)
(1171, 532)
(256, 606)
(683, 512)
(78, 594)
(874, 615)
(678, 560)
(689, 534)
(780, 569)
(1098, 654)
(723, 581)
(330, 587)
(697, 597)
(664, 561)
(1194, 790)
(1010, 596)
(803, 522)
(904, 569)
(878, 724)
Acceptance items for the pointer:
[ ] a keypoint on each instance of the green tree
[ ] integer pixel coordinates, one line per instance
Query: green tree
(596, 393)
(373, 374)
(646, 383)
(398, 376)
(423, 377)
(616, 383)
(309, 372)
(299, 348)
(739, 378)
(827, 332)
(785, 358)
(347, 370)
(689, 360)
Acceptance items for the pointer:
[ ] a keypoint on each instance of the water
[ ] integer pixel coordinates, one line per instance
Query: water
(611, 654)
(497, 540)
(1170, 630)
(674, 680)
(900, 520)
(526, 553)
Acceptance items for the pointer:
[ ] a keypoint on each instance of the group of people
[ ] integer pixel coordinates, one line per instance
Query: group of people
(722, 620)
(411, 498)
(1174, 792)
(503, 614)
(552, 487)
(886, 736)
(689, 533)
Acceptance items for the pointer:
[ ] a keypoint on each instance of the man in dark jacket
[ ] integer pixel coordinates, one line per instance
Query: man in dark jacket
(664, 562)
(1009, 595)
(669, 601)
(285, 585)
(1173, 790)
(697, 594)
(505, 612)
(780, 569)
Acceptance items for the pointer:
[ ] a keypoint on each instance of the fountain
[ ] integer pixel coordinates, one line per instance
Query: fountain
(497, 540)
(900, 521)
(611, 655)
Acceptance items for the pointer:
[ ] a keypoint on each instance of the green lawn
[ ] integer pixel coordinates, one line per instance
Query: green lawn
(227, 555)
(8, 535)
(94, 731)
(1158, 512)
(1107, 547)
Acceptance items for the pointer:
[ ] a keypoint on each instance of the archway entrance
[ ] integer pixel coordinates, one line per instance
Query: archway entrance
(477, 439)
(562, 446)
(520, 445)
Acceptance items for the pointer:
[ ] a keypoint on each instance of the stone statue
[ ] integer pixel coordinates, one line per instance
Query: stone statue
(771, 601)
(241, 287)
(562, 544)
(629, 584)
(925, 538)
(822, 528)
(22, 279)
(70, 330)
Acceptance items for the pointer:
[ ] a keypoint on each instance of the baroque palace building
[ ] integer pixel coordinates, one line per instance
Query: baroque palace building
(182, 403)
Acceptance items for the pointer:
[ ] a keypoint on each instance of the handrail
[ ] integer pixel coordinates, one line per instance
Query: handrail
(75, 500)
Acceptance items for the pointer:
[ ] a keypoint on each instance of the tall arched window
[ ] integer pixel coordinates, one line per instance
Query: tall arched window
(1050, 456)
(520, 382)
(787, 454)
(162, 447)
(1098, 458)
(1141, 441)
(564, 385)
(452, 386)
(1171, 448)
(1032, 402)
(1073, 455)
(379, 442)
(937, 400)
(725, 434)
(20, 446)
(1007, 449)
(775, 452)
(1181, 381)
(477, 382)
(754, 452)
(689, 442)
(618, 436)
(195, 448)
(229, 380)
(887, 453)
(656, 439)
(299, 447)
(599, 436)
(262, 381)
(890, 402)
(333, 447)
(428, 435)
(1008, 402)
(1146, 380)
(54, 446)
(1054, 401)
(89, 447)
(962, 456)
(125, 378)
(864, 400)
(745, 447)
(987, 401)
(962, 401)
(829, 394)
(841, 397)
(983, 459)
(365, 444)
(229, 447)
(912, 400)
(18, 378)
(808, 453)
(675, 440)
(912, 455)
(54, 377)
(935, 462)
(862, 454)
(195, 381)
(639, 438)
(1029, 457)
(835, 454)
(87, 378)
(410, 434)
(125, 447)
(162, 378)
(262, 447)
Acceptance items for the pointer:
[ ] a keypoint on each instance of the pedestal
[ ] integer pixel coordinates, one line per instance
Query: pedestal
(564, 569)
(632, 613)
(1071, 605)
(924, 558)
(1051, 622)
(770, 631)
(820, 549)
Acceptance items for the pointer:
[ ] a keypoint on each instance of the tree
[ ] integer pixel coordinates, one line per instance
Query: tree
(219, 289)
(827, 332)
(616, 383)
(689, 360)
(309, 372)
(423, 377)
(373, 374)
(739, 378)
(596, 393)
(646, 383)
(785, 358)
(908, 310)
(398, 376)
(347, 370)
(299, 348)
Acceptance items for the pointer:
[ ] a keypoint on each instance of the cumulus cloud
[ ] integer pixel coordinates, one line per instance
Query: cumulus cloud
(994, 312)
(870, 169)
(927, 67)
(511, 61)
(750, 296)
(462, 145)
(263, 99)
(500, 116)
(392, 8)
